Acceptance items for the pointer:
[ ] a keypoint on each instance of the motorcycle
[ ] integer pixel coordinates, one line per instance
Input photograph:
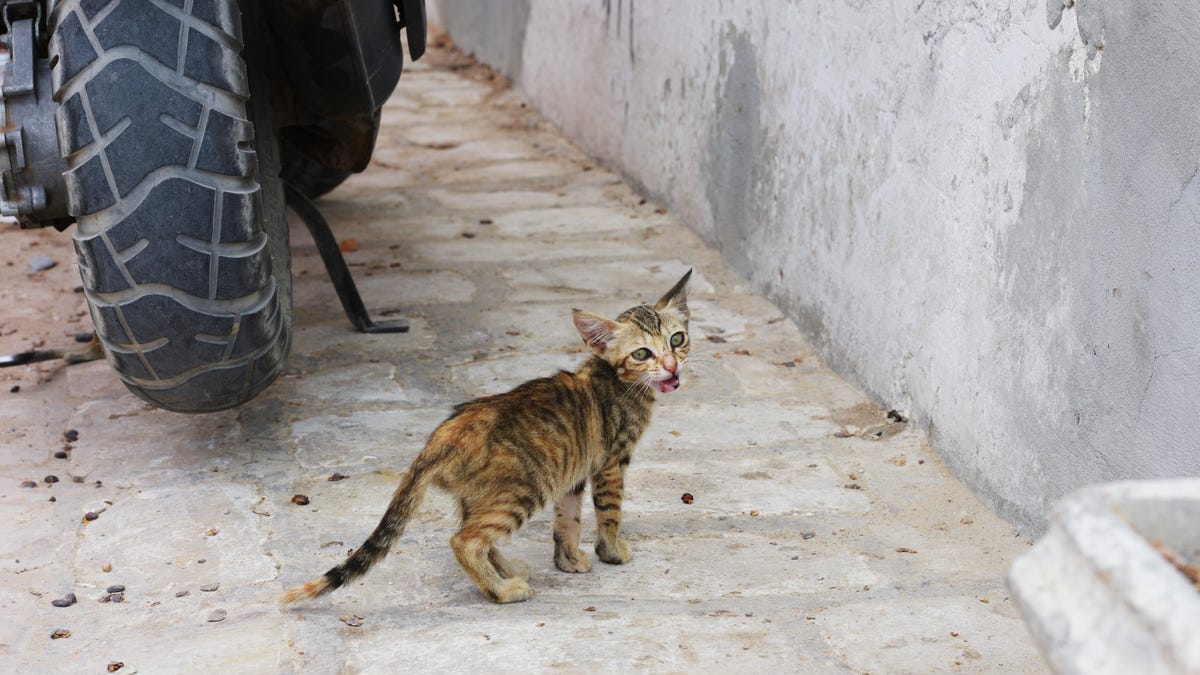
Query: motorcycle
(173, 134)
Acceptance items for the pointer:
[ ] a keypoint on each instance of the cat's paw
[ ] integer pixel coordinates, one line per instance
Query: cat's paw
(616, 553)
(512, 590)
(575, 563)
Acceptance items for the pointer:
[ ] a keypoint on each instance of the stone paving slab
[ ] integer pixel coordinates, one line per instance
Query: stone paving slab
(823, 537)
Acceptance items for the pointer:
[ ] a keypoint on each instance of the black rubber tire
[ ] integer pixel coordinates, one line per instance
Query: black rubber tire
(181, 232)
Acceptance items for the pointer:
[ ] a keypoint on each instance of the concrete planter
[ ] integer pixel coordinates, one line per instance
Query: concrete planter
(1096, 594)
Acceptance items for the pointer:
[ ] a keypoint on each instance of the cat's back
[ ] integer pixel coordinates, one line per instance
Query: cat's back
(563, 391)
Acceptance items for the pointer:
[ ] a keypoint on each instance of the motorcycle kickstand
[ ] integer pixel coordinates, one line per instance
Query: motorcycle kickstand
(335, 265)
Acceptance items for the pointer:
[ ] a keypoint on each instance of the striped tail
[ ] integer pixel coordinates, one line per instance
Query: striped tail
(404, 503)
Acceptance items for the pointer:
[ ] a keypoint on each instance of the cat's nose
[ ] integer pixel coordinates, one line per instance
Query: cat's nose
(670, 364)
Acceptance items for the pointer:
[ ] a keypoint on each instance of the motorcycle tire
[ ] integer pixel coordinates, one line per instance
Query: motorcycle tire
(173, 177)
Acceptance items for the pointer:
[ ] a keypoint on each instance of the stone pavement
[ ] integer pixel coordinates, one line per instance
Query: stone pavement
(823, 536)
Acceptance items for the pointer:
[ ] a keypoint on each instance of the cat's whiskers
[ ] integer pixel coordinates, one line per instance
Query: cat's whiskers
(637, 386)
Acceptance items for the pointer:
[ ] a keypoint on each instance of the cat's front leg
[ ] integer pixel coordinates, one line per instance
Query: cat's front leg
(567, 556)
(608, 486)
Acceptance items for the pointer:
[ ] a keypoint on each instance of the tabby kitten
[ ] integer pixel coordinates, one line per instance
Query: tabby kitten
(505, 456)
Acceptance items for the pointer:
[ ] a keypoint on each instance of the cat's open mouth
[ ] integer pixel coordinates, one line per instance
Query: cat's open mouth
(669, 384)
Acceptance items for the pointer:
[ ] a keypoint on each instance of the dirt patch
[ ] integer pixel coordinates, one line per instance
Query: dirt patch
(445, 55)
(869, 421)
(1187, 569)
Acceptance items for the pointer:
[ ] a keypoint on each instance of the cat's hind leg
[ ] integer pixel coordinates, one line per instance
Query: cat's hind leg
(567, 556)
(508, 567)
(474, 547)
(473, 553)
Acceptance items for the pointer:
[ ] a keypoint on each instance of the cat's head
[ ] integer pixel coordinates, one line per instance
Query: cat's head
(645, 344)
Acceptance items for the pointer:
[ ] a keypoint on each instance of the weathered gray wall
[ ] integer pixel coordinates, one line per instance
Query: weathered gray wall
(984, 213)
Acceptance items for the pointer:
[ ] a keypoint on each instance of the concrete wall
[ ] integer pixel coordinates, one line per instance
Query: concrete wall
(983, 213)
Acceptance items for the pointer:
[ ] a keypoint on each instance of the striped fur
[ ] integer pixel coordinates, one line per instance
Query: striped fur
(506, 456)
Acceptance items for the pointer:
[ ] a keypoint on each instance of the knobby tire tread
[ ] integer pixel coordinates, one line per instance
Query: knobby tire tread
(177, 235)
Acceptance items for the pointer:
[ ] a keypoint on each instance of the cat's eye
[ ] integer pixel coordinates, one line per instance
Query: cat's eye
(678, 339)
(640, 354)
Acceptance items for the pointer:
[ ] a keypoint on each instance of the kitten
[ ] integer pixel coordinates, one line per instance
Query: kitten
(505, 456)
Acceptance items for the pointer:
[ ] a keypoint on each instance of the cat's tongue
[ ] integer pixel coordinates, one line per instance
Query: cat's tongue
(669, 384)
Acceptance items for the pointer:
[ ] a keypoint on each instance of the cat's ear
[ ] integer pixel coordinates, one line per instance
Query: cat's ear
(676, 298)
(597, 332)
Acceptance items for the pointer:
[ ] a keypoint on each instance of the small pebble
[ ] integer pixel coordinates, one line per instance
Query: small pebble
(351, 620)
(15, 388)
(84, 337)
(113, 597)
(28, 484)
(53, 499)
(106, 568)
(51, 479)
(335, 476)
(70, 434)
(687, 498)
(41, 263)
(209, 588)
(808, 535)
(60, 633)
(90, 516)
(66, 601)
(217, 615)
(485, 221)
(61, 454)
(115, 588)
(300, 499)
(183, 593)
(114, 666)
